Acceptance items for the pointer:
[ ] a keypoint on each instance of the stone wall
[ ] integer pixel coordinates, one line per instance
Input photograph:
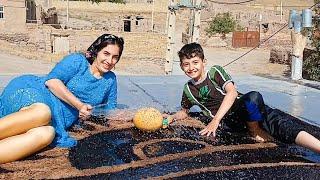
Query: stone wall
(139, 45)
(159, 6)
(14, 16)
(110, 16)
(251, 17)
(280, 55)
(144, 46)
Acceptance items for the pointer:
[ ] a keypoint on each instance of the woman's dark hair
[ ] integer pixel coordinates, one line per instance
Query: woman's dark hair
(100, 43)
(191, 50)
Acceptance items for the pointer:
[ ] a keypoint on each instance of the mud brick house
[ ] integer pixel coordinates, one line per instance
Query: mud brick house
(15, 14)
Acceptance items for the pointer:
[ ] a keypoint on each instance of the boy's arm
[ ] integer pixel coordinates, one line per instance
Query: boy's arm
(228, 100)
(182, 114)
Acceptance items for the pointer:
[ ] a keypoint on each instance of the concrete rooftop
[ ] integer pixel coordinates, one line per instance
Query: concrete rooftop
(164, 93)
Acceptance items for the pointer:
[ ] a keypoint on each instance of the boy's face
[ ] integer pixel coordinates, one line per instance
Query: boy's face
(193, 68)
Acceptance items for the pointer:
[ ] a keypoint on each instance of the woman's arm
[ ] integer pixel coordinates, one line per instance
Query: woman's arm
(57, 87)
(228, 100)
(111, 98)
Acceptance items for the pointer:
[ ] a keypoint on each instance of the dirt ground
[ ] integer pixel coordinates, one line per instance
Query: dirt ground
(256, 62)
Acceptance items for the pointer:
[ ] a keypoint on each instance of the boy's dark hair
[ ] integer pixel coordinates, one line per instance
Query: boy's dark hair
(191, 50)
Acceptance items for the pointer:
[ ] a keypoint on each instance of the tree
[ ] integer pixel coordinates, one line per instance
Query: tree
(112, 1)
(117, 1)
(96, 1)
(221, 24)
(311, 64)
(316, 34)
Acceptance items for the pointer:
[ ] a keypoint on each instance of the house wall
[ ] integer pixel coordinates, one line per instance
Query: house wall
(110, 16)
(46, 4)
(14, 16)
(137, 45)
(2, 21)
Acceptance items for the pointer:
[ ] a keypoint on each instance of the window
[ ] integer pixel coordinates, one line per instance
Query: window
(1, 12)
(127, 25)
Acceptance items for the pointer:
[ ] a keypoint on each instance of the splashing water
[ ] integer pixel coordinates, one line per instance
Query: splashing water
(103, 113)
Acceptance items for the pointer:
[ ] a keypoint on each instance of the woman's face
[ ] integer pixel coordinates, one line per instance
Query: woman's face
(107, 58)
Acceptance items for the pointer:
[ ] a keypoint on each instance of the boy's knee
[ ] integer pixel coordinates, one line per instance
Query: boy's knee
(255, 99)
(254, 96)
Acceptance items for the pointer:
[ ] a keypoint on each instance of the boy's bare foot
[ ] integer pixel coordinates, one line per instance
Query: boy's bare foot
(261, 136)
(258, 134)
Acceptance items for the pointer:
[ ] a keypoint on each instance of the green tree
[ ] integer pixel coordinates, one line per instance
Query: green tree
(311, 65)
(96, 1)
(112, 1)
(316, 20)
(221, 24)
(117, 1)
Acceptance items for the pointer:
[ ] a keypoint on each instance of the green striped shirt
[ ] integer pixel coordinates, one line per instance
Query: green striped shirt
(207, 94)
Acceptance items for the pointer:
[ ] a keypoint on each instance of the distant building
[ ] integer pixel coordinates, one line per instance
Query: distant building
(15, 14)
(12, 15)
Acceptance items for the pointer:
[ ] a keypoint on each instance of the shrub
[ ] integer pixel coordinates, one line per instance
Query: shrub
(311, 64)
(221, 24)
(117, 1)
(112, 1)
(311, 67)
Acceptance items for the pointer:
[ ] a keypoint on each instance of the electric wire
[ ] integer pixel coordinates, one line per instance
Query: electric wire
(264, 40)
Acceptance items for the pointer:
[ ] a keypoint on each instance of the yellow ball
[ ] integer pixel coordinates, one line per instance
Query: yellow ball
(148, 119)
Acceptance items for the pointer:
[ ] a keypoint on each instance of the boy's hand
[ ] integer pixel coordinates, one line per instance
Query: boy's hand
(167, 119)
(210, 129)
(165, 115)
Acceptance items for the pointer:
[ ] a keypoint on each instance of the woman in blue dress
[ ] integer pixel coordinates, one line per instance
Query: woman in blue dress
(37, 111)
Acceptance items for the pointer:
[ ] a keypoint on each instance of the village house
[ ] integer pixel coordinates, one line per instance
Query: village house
(15, 14)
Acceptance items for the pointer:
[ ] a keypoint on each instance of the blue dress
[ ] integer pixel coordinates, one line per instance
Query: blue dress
(73, 70)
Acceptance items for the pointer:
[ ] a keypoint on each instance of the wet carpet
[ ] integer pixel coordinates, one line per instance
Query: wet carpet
(116, 150)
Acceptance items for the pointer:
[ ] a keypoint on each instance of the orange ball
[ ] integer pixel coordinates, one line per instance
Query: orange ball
(148, 119)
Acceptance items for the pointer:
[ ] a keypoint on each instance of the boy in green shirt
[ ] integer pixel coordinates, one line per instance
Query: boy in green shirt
(215, 93)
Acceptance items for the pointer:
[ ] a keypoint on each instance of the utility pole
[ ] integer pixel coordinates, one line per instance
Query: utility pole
(281, 10)
(191, 21)
(196, 21)
(297, 21)
(194, 27)
(67, 12)
(170, 37)
(152, 14)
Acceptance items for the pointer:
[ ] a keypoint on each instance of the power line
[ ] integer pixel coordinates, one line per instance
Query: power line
(264, 40)
(257, 45)
(241, 2)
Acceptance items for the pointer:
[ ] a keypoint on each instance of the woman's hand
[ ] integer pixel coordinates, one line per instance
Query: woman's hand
(85, 111)
(210, 129)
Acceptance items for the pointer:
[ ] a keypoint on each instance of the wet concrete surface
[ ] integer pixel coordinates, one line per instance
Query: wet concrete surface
(293, 98)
